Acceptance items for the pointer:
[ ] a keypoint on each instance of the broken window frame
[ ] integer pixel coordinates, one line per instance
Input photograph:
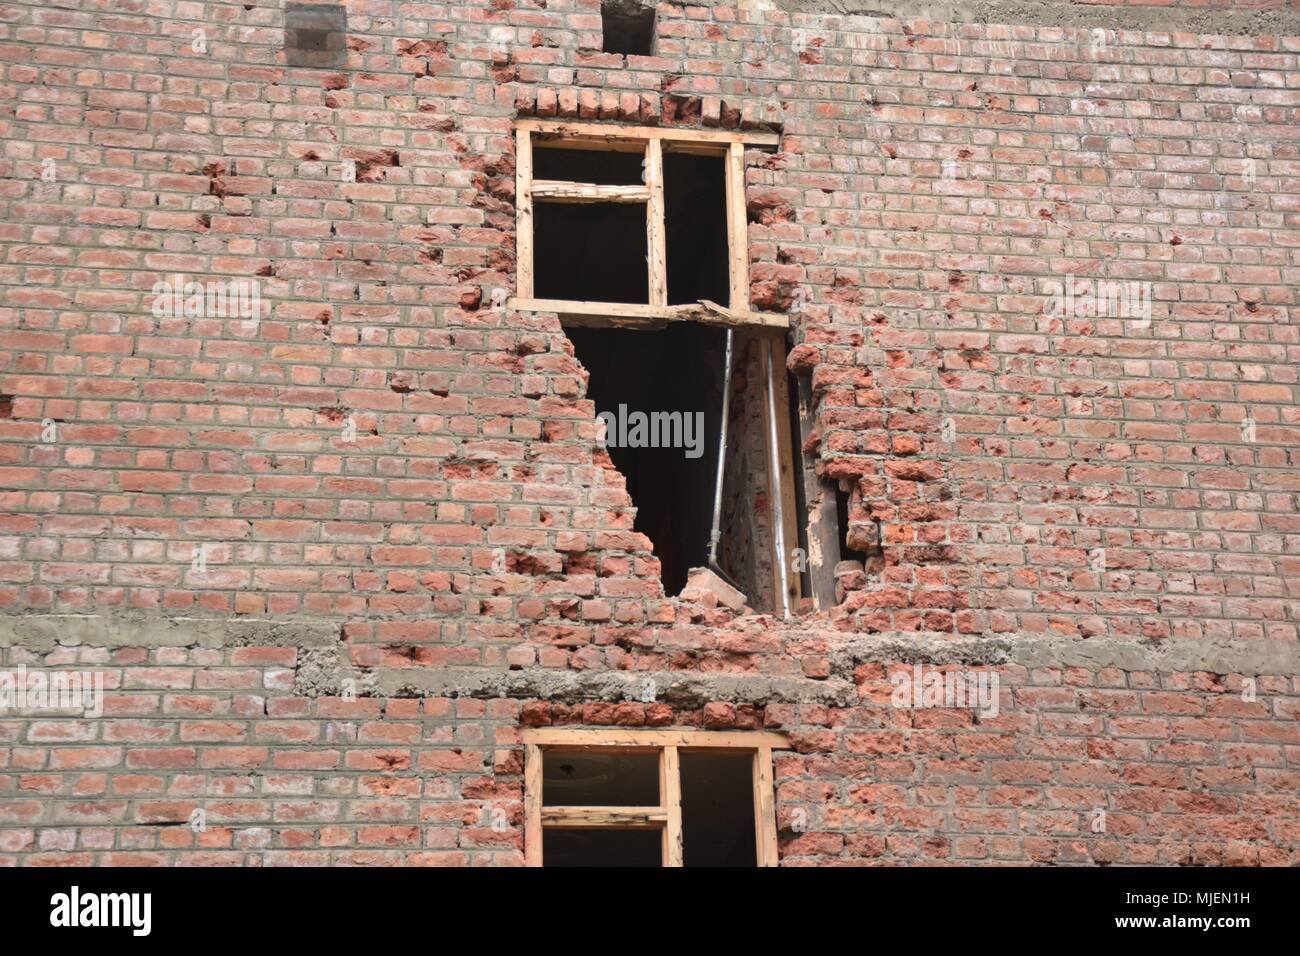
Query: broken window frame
(667, 816)
(652, 143)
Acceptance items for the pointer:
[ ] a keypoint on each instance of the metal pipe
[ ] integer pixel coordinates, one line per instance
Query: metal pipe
(774, 491)
(715, 532)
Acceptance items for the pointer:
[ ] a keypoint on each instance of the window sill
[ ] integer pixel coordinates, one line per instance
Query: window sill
(649, 316)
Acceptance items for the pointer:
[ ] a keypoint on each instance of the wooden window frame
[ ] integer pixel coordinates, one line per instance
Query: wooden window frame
(667, 816)
(652, 142)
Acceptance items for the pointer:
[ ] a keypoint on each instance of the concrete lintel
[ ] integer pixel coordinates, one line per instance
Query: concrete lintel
(1175, 655)
(678, 688)
(44, 632)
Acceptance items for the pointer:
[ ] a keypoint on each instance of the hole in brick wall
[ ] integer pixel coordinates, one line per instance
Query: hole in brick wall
(695, 227)
(315, 35)
(590, 246)
(680, 369)
(635, 373)
(628, 26)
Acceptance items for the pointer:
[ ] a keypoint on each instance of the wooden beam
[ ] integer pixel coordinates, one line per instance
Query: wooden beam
(670, 795)
(552, 190)
(656, 240)
(580, 737)
(706, 313)
(788, 473)
(581, 818)
(776, 548)
(532, 805)
(696, 149)
(523, 213)
(737, 232)
(765, 845)
(578, 129)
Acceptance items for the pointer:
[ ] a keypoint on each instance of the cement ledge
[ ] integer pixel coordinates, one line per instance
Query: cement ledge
(45, 632)
(1176, 655)
(686, 689)
(1054, 13)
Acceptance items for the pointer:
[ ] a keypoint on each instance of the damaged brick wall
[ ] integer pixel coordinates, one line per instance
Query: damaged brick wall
(227, 755)
(391, 457)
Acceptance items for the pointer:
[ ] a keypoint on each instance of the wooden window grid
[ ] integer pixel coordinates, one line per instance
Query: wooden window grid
(652, 143)
(667, 816)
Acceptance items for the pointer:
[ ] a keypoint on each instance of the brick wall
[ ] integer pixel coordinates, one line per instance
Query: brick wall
(1174, 768)
(410, 475)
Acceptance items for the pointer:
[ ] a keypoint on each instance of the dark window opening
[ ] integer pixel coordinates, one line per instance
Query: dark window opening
(675, 370)
(602, 847)
(315, 35)
(592, 252)
(628, 25)
(695, 214)
(600, 779)
(602, 167)
(718, 809)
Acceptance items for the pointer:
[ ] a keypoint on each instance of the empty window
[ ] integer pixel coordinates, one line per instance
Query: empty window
(649, 798)
(628, 25)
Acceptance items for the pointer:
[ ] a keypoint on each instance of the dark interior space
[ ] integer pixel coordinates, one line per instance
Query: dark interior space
(590, 251)
(676, 369)
(718, 809)
(695, 213)
(629, 26)
(599, 166)
(602, 847)
(584, 778)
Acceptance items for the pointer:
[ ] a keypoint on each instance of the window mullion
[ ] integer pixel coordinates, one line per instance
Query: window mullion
(656, 235)
(765, 845)
(594, 817)
(532, 805)
(524, 217)
(670, 796)
(737, 218)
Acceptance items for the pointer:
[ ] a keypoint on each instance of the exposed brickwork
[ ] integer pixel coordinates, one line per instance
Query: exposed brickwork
(387, 452)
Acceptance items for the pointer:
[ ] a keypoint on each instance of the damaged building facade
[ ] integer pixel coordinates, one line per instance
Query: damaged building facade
(997, 563)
